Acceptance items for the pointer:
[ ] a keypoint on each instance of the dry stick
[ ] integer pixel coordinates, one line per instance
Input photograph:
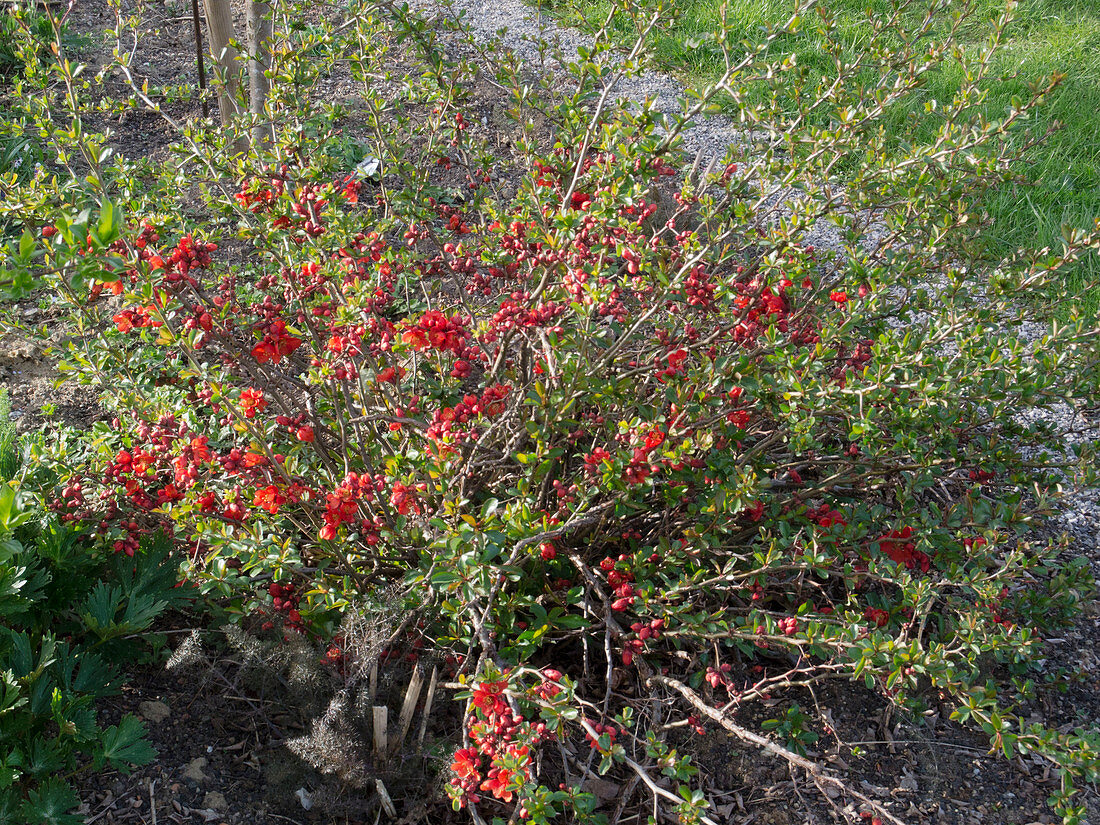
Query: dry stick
(384, 796)
(746, 735)
(624, 798)
(380, 717)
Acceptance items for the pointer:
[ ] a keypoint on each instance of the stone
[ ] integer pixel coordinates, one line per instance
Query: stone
(154, 711)
(193, 771)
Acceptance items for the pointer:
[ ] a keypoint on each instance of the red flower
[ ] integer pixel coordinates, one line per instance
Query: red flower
(252, 402)
(487, 698)
(416, 338)
(277, 343)
(498, 781)
(269, 498)
(466, 763)
(264, 352)
(876, 615)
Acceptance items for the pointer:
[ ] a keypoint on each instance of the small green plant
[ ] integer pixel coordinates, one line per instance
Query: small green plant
(69, 620)
(793, 729)
(27, 33)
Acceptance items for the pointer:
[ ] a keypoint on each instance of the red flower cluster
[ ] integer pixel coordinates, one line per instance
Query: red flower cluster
(285, 600)
(640, 466)
(186, 256)
(514, 315)
(600, 730)
(676, 360)
(260, 195)
(436, 331)
(502, 748)
(594, 459)
(342, 505)
(880, 617)
(276, 344)
(252, 401)
(137, 318)
(825, 516)
(899, 548)
(699, 288)
(620, 579)
(645, 633)
(716, 677)
(449, 423)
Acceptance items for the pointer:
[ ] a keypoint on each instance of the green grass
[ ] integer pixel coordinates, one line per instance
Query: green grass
(1046, 36)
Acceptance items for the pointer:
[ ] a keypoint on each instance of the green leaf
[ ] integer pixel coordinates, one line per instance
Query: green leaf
(110, 220)
(9, 806)
(101, 606)
(26, 246)
(95, 677)
(12, 513)
(124, 745)
(10, 690)
(49, 804)
(44, 757)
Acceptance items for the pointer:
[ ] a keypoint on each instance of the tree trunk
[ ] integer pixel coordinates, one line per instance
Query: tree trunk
(259, 61)
(219, 23)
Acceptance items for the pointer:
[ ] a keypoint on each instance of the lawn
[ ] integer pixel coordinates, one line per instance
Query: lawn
(1061, 181)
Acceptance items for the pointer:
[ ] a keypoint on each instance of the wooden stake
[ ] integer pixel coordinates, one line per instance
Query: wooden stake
(412, 693)
(381, 720)
(428, 704)
(384, 796)
(198, 57)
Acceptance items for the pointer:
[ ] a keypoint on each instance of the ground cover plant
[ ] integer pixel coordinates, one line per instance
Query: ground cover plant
(1058, 184)
(595, 435)
(71, 618)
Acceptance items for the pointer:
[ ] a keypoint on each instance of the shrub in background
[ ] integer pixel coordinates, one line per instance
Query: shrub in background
(621, 440)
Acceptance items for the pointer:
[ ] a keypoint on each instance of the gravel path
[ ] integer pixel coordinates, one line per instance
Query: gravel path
(710, 137)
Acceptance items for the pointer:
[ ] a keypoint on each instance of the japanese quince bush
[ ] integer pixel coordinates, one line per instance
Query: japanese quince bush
(623, 442)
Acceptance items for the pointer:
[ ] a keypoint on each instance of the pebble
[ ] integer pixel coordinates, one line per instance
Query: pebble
(154, 711)
(193, 771)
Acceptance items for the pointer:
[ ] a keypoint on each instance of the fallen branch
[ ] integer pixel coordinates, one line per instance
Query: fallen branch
(745, 735)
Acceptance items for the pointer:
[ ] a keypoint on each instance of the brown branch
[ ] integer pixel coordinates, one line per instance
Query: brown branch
(745, 735)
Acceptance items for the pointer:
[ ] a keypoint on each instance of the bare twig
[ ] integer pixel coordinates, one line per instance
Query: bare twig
(817, 773)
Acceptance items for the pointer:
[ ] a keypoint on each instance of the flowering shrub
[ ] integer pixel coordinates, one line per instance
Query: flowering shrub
(628, 425)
